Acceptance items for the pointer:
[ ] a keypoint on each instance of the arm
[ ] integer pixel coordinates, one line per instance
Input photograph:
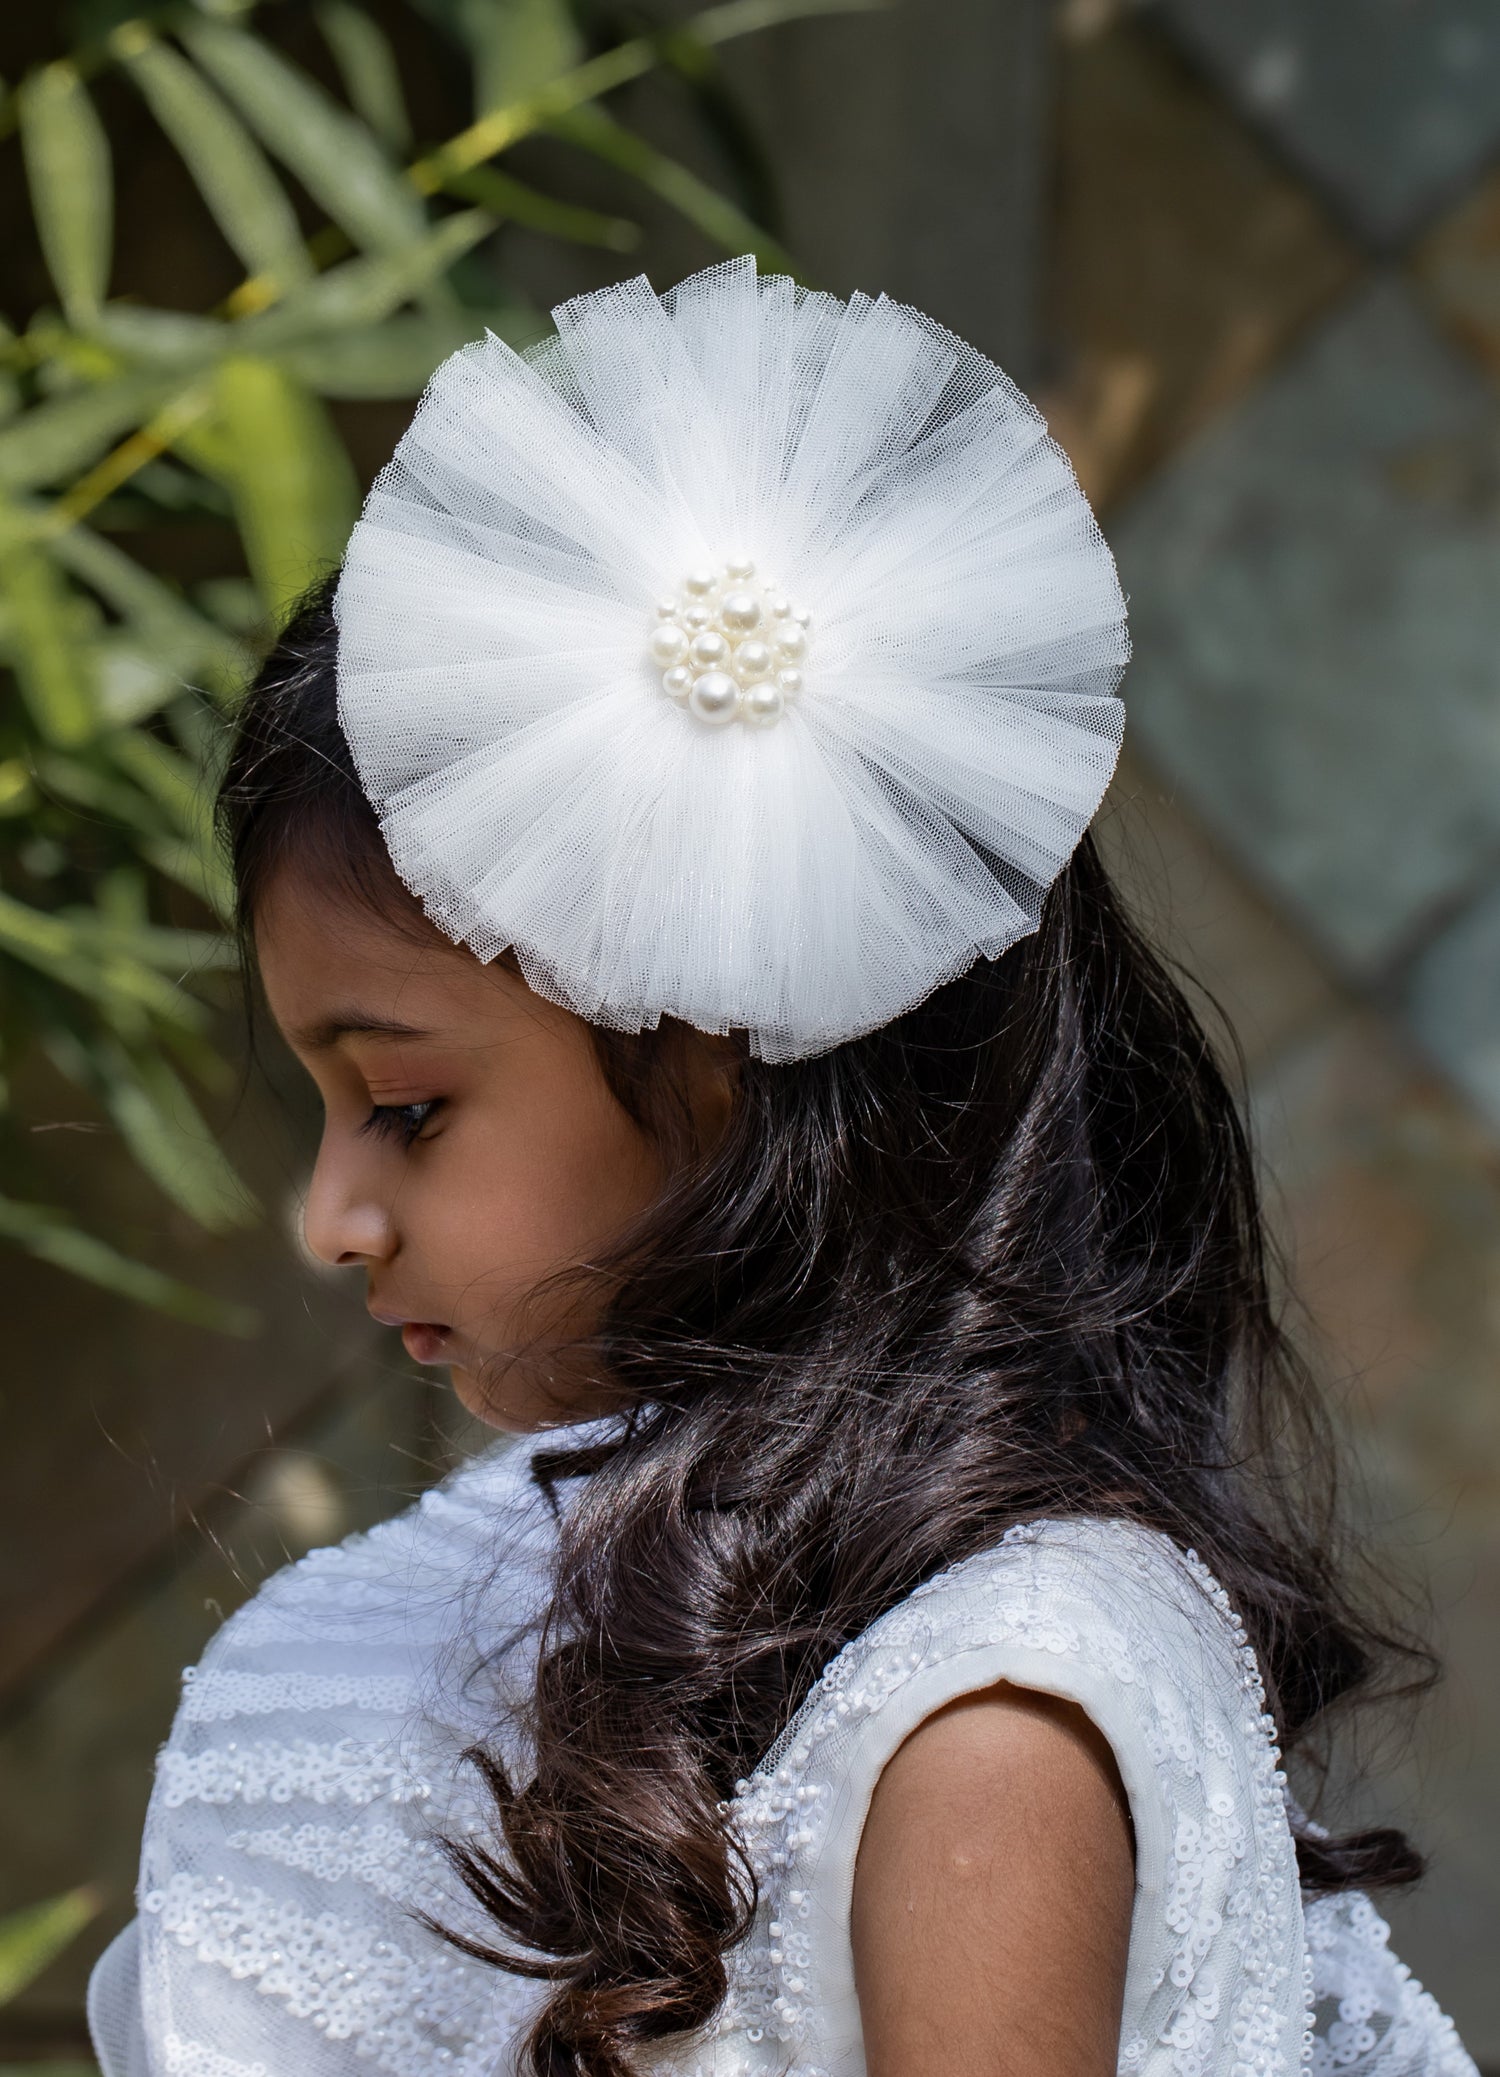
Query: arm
(992, 1896)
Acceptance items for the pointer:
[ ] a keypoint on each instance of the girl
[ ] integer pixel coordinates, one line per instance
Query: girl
(666, 851)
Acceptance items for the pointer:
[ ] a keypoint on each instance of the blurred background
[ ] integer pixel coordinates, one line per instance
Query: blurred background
(1245, 253)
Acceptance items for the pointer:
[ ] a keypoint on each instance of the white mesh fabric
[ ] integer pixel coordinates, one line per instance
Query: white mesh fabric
(537, 790)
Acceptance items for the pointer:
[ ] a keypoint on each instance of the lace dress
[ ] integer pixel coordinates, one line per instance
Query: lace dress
(316, 1754)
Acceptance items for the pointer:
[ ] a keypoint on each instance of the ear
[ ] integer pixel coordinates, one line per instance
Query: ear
(711, 1080)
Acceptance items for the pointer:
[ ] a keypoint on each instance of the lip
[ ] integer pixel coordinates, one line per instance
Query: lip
(425, 1341)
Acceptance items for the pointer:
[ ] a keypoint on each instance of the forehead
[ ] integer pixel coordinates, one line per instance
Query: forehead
(329, 958)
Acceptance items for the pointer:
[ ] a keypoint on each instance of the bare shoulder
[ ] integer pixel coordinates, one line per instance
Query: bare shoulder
(992, 1895)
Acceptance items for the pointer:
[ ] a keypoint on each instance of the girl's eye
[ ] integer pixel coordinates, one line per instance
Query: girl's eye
(402, 1121)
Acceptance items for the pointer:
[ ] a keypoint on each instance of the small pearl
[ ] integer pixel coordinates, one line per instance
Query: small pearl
(790, 641)
(666, 609)
(714, 697)
(678, 681)
(752, 660)
(739, 569)
(779, 608)
(740, 610)
(668, 643)
(790, 681)
(763, 704)
(802, 617)
(710, 649)
(700, 582)
(695, 616)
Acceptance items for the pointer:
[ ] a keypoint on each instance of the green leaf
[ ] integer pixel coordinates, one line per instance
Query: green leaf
(165, 775)
(517, 47)
(592, 130)
(167, 1135)
(342, 165)
(393, 359)
(505, 197)
(186, 643)
(371, 76)
(32, 1938)
(54, 946)
(68, 171)
(50, 664)
(46, 1234)
(232, 173)
(294, 488)
(56, 439)
(162, 338)
(362, 291)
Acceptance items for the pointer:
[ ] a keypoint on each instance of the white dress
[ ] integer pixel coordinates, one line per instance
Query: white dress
(315, 1754)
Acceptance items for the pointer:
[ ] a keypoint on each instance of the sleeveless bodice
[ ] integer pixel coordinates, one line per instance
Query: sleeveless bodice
(315, 1759)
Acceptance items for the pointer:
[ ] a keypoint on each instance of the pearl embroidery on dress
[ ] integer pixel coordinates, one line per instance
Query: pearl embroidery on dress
(281, 1873)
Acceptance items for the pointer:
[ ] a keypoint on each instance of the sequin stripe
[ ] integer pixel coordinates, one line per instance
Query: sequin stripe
(1372, 2012)
(187, 2058)
(214, 1697)
(399, 2007)
(350, 1771)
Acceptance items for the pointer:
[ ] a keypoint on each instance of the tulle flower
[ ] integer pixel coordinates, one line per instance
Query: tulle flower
(744, 655)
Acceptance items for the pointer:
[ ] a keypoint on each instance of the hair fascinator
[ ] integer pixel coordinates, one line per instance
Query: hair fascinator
(740, 654)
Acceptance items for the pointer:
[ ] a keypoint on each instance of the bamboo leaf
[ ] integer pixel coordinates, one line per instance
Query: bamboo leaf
(505, 197)
(161, 338)
(46, 1234)
(232, 173)
(341, 164)
(50, 663)
(294, 487)
(56, 439)
(165, 775)
(594, 131)
(394, 359)
(32, 1938)
(53, 946)
(72, 190)
(166, 1134)
(518, 47)
(362, 291)
(186, 643)
(371, 76)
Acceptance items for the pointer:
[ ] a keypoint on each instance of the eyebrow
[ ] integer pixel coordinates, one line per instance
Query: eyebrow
(350, 1023)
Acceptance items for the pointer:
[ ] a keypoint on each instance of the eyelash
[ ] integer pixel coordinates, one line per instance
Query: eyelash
(394, 1120)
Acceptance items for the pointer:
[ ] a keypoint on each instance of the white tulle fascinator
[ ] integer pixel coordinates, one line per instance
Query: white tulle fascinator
(740, 654)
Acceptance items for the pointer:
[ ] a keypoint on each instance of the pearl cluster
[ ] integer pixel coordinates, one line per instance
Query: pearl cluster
(730, 647)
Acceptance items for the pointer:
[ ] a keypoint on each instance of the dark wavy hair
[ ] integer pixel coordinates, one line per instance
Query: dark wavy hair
(1001, 1259)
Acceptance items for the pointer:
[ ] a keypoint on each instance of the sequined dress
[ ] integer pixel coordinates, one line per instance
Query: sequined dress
(315, 1757)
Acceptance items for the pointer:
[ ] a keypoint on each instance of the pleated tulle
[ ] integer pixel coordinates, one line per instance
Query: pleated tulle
(806, 881)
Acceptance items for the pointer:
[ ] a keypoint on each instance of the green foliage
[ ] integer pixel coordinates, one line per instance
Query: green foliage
(120, 423)
(32, 1938)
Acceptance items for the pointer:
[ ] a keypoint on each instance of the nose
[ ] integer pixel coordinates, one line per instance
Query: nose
(346, 1222)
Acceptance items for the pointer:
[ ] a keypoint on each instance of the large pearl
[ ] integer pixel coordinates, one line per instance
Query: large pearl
(762, 703)
(790, 640)
(790, 681)
(740, 611)
(678, 681)
(714, 697)
(710, 649)
(700, 582)
(668, 644)
(739, 569)
(752, 660)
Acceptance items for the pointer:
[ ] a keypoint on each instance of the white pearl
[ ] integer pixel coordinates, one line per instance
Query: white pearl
(678, 681)
(710, 649)
(779, 608)
(696, 616)
(668, 643)
(739, 569)
(763, 703)
(790, 681)
(714, 697)
(802, 617)
(700, 581)
(666, 609)
(790, 641)
(740, 610)
(752, 660)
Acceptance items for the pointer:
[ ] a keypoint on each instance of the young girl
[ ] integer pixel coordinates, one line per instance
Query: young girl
(666, 851)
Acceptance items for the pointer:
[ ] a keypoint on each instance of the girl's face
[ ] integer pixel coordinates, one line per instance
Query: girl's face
(471, 1145)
